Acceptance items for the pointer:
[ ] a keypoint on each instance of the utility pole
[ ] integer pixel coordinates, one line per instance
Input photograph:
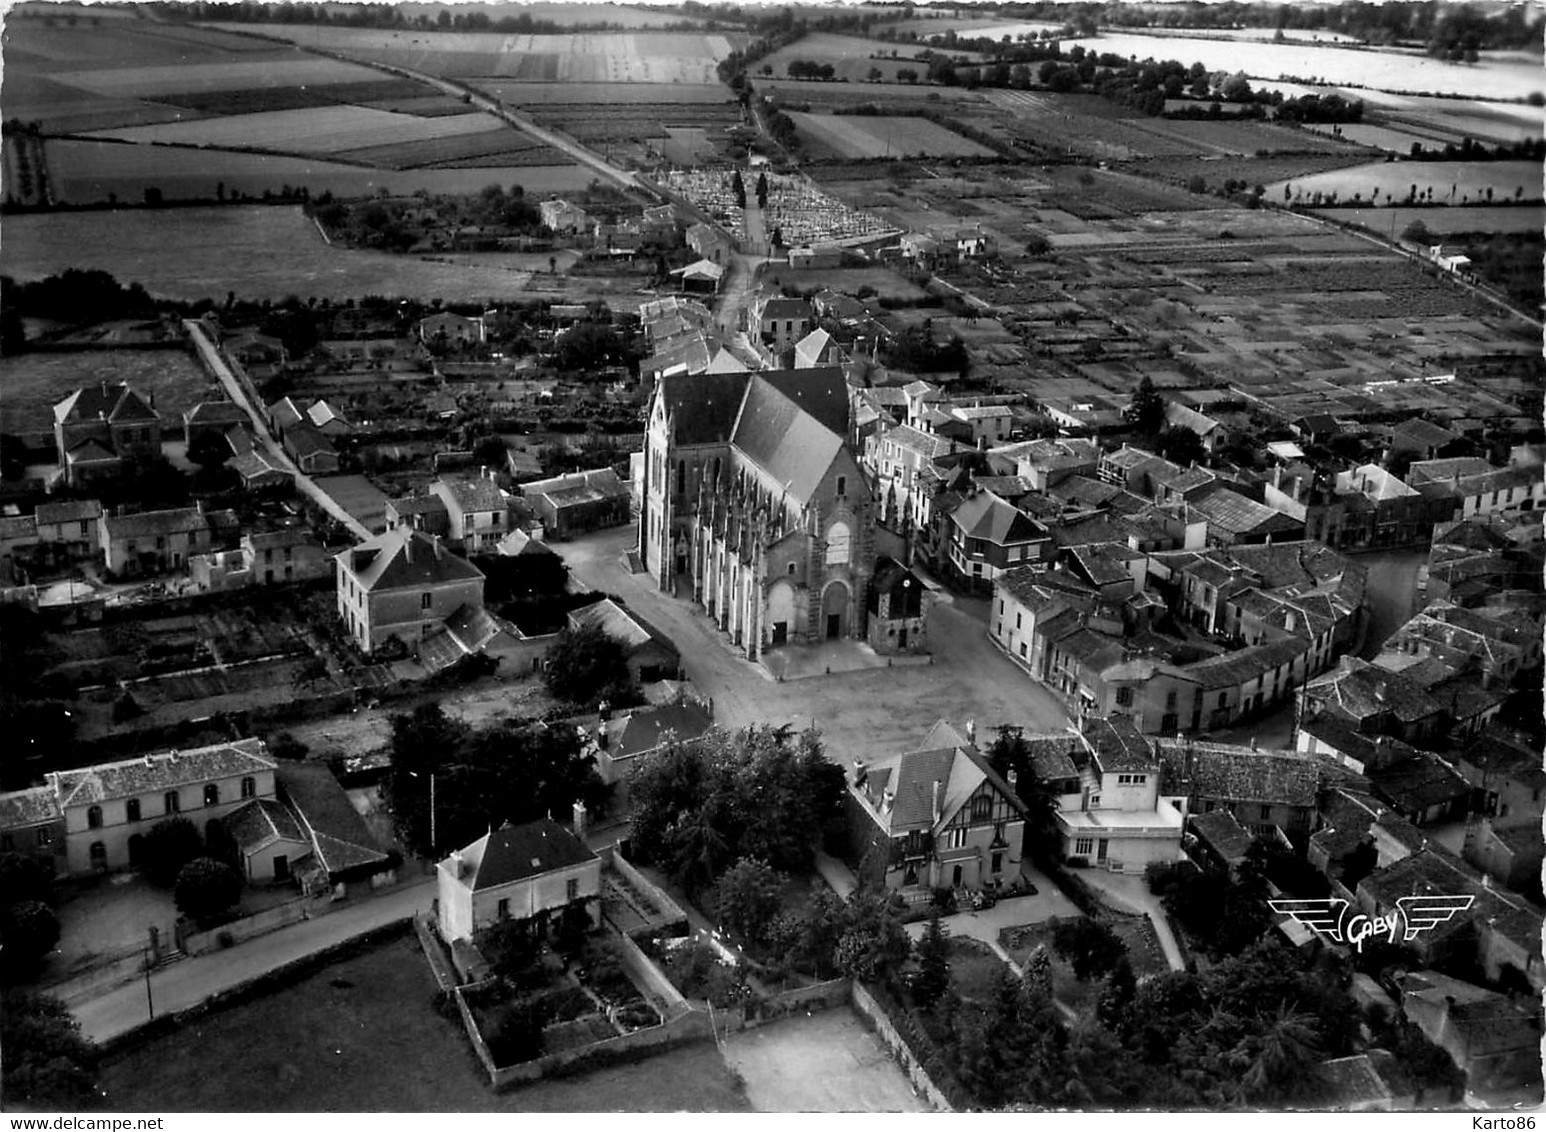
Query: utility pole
(150, 1004)
(434, 843)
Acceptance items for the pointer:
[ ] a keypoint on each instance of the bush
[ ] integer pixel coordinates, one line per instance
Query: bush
(206, 889)
(515, 1035)
(30, 930)
(48, 1064)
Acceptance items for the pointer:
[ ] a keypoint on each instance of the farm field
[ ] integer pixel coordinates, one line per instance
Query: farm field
(328, 130)
(853, 58)
(853, 136)
(260, 252)
(538, 94)
(32, 383)
(1253, 170)
(1443, 221)
(1450, 181)
(1399, 71)
(573, 15)
(794, 92)
(651, 57)
(88, 172)
(886, 283)
(1089, 125)
(116, 72)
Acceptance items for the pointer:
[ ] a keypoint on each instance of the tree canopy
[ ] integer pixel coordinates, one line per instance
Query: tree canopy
(585, 664)
(764, 792)
(514, 771)
(48, 1064)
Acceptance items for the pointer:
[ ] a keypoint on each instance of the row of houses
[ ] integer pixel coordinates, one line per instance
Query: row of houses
(1179, 640)
(209, 545)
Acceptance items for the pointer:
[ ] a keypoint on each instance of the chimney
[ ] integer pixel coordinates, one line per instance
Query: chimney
(1253, 742)
(861, 773)
(458, 866)
(408, 548)
(601, 735)
(1013, 778)
(887, 800)
(581, 822)
(1292, 621)
(438, 553)
(938, 789)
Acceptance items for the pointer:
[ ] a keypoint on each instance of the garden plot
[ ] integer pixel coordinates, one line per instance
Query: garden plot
(327, 130)
(1442, 182)
(852, 136)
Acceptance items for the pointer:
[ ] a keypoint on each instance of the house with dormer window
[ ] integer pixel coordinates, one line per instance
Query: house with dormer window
(937, 817)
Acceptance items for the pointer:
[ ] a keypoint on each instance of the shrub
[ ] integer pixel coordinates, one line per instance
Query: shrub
(206, 889)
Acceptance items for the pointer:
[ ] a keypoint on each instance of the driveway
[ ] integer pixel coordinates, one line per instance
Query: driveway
(864, 714)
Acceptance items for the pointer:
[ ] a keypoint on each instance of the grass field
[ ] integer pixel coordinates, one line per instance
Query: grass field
(31, 383)
(1444, 221)
(361, 1036)
(1452, 182)
(852, 136)
(259, 252)
(85, 172)
(644, 56)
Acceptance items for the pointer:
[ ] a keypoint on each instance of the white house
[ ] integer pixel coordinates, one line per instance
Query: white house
(529, 873)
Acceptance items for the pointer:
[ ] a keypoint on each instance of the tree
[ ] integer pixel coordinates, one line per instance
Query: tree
(1417, 233)
(585, 665)
(1090, 946)
(24, 877)
(48, 1064)
(1180, 445)
(750, 893)
(1282, 1056)
(764, 792)
(168, 846)
(873, 945)
(209, 450)
(933, 963)
(1008, 754)
(29, 930)
(1236, 88)
(1146, 411)
(206, 889)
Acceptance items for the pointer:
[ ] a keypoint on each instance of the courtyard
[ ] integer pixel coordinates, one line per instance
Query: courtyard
(865, 713)
(827, 1062)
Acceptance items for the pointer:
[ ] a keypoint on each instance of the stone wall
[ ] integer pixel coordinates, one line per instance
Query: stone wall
(872, 1011)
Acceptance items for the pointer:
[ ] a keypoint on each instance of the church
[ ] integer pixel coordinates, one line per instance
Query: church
(753, 503)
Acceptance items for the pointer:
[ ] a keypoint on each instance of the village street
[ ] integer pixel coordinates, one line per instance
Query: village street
(863, 712)
(188, 982)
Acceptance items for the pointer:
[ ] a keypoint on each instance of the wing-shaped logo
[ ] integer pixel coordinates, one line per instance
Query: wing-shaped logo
(1324, 917)
(1423, 913)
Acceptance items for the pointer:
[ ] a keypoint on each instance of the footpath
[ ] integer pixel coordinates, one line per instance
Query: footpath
(188, 982)
(277, 455)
